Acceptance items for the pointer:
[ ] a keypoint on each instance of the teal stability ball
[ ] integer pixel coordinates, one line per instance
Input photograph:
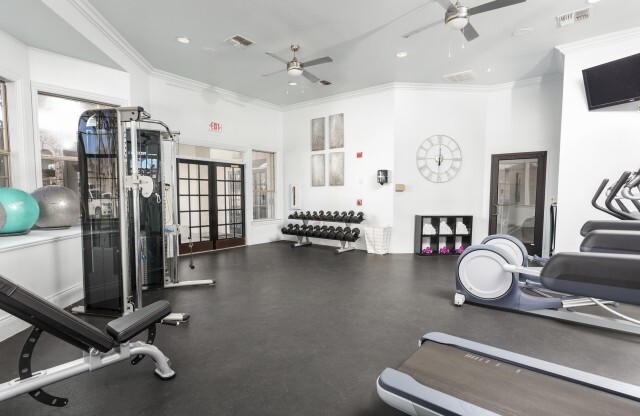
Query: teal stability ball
(19, 210)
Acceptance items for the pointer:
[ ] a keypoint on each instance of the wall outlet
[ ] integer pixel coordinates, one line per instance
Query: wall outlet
(400, 187)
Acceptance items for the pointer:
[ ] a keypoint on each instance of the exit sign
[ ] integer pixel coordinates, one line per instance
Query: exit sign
(217, 127)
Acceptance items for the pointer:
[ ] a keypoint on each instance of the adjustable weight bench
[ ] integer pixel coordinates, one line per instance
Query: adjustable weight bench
(99, 349)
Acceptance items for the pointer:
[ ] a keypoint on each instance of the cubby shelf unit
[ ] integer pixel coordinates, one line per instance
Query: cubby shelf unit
(435, 236)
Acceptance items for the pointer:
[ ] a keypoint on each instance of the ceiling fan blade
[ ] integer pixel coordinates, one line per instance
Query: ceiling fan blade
(308, 75)
(469, 32)
(421, 29)
(318, 61)
(447, 5)
(273, 73)
(273, 55)
(492, 5)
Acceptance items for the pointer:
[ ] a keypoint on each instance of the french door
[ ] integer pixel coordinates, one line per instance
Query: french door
(211, 205)
(517, 197)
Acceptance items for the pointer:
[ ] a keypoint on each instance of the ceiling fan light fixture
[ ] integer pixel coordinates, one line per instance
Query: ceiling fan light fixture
(294, 68)
(457, 19)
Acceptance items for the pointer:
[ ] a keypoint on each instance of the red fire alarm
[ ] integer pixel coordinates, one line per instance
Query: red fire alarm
(359, 155)
(359, 202)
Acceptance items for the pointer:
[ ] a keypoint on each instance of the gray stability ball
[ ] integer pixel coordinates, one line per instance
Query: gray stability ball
(59, 206)
(3, 217)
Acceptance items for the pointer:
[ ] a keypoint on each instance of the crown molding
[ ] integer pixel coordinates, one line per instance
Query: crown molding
(91, 14)
(414, 86)
(339, 97)
(586, 44)
(525, 82)
(197, 86)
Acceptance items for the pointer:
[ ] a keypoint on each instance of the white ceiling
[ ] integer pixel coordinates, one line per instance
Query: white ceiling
(362, 36)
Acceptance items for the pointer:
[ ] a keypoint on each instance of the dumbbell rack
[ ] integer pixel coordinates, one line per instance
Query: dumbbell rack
(303, 240)
(300, 242)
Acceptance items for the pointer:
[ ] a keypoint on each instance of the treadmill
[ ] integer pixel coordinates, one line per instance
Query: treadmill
(453, 376)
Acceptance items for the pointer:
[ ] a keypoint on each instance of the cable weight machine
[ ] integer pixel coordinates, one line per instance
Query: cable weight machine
(121, 170)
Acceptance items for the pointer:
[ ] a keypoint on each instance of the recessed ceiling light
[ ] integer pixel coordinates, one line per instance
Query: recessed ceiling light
(293, 83)
(402, 54)
(592, 1)
(489, 69)
(523, 31)
(183, 39)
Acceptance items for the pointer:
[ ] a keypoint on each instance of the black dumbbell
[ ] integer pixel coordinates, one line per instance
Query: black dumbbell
(315, 216)
(308, 216)
(338, 229)
(331, 234)
(351, 216)
(301, 216)
(336, 216)
(352, 235)
(309, 231)
(324, 232)
(328, 216)
(290, 216)
(321, 215)
(316, 231)
(360, 217)
(340, 235)
(296, 229)
(284, 230)
(347, 230)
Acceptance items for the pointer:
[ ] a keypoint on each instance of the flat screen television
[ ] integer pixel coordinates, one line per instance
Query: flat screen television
(613, 83)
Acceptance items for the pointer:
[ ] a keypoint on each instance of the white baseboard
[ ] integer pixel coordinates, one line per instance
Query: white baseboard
(10, 325)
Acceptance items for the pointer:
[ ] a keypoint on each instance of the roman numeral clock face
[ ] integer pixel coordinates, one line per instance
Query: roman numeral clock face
(439, 158)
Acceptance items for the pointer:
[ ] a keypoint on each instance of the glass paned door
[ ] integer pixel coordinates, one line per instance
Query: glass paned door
(211, 204)
(517, 197)
(194, 204)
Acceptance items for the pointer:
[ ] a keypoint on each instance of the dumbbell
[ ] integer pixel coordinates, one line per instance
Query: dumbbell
(324, 232)
(310, 231)
(351, 216)
(284, 230)
(360, 216)
(308, 216)
(353, 235)
(290, 216)
(328, 216)
(315, 216)
(331, 234)
(316, 231)
(340, 234)
(301, 216)
(296, 229)
(321, 215)
(288, 230)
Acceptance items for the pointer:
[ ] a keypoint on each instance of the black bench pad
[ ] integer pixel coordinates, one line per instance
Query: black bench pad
(127, 327)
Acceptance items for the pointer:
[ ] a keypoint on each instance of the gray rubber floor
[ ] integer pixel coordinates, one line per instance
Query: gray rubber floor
(305, 332)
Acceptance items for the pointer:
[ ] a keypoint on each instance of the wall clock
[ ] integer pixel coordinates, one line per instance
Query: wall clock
(439, 158)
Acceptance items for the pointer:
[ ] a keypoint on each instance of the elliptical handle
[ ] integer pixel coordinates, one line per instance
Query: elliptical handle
(615, 189)
(594, 200)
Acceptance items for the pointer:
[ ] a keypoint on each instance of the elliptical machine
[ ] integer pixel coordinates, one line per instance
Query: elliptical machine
(496, 274)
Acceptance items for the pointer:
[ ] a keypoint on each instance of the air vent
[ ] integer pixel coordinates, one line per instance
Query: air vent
(324, 82)
(575, 16)
(239, 42)
(461, 76)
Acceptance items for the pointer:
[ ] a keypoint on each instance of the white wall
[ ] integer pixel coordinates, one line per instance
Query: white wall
(419, 114)
(247, 125)
(524, 118)
(388, 124)
(368, 128)
(595, 144)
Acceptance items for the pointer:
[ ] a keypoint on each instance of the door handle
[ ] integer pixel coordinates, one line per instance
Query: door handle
(496, 213)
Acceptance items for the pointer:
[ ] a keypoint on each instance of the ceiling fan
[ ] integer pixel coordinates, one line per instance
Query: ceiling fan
(296, 68)
(457, 16)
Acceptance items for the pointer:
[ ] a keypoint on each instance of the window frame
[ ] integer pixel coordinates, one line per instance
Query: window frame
(269, 194)
(56, 91)
(5, 151)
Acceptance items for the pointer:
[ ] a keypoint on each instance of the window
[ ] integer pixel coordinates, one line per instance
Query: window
(58, 128)
(5, 169)
(264, 185)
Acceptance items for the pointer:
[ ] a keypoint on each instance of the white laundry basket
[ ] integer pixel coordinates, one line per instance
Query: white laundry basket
(377, 239)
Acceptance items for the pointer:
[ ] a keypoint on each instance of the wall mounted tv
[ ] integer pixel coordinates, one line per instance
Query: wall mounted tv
(613, 83)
